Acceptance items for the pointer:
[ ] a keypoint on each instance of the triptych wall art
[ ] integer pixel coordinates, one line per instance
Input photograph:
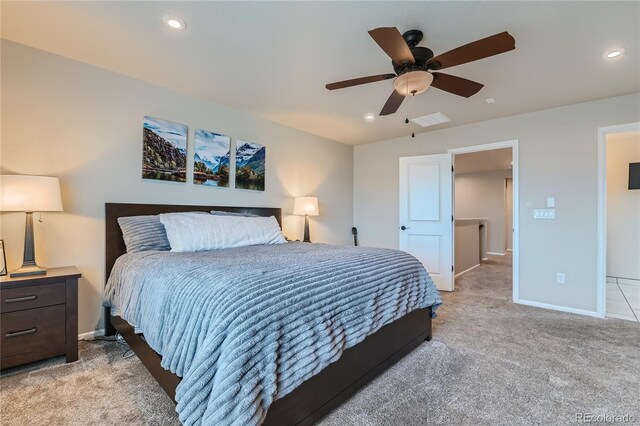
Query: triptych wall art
(165, 156)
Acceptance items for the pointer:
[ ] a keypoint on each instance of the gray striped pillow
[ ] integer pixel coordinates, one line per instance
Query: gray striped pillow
(143, 233)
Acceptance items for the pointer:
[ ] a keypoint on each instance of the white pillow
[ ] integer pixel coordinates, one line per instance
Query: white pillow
(200, 232)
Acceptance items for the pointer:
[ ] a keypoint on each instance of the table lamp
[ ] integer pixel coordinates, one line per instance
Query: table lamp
(21, 193)
(307, 206)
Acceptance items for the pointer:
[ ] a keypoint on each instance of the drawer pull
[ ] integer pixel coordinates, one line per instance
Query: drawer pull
(20, 333)
(21, 299)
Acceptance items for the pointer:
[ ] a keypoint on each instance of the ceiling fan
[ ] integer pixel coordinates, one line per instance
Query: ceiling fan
(413, 65)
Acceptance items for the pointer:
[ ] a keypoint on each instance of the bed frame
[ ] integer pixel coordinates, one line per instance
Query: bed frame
(314, 398)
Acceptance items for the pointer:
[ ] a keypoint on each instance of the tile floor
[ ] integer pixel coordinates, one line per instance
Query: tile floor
(623, 299)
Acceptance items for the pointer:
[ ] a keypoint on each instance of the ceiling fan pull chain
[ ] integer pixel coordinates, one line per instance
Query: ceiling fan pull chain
(413, 124)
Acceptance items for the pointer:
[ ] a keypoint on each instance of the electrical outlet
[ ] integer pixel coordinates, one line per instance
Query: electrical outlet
(560, 278)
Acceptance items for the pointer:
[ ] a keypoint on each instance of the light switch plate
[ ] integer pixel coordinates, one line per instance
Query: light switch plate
(551, 202)
(544, 214)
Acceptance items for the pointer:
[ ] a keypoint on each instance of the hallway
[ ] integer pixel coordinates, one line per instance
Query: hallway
(493, 278)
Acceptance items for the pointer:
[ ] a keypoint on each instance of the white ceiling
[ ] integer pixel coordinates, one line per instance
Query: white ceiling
(273, 59)
(483, 161)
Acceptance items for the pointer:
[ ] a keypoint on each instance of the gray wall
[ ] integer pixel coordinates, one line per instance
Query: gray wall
(623, 207)
(482, 195)
(558, 157)
(84, 124)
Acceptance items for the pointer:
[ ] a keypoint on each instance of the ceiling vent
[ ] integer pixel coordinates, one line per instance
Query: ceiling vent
(431, 119)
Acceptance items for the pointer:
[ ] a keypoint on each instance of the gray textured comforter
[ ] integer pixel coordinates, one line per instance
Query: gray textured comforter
(245, 326)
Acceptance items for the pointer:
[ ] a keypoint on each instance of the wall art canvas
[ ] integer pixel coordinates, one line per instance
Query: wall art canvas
(250, 165)
(211, 160)
(164, 154)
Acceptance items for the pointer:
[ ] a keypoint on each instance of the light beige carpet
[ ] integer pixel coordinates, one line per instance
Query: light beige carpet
(491, 363)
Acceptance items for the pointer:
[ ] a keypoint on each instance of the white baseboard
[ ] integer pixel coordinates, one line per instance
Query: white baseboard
(485, 258)
(496, 254)
(557, 308)
(510, 250)
(91, 334)
(466, 270)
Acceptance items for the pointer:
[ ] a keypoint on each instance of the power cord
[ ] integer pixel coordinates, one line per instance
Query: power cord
(128, 352)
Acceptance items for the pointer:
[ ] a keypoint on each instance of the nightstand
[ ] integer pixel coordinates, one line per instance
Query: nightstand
(39, 317)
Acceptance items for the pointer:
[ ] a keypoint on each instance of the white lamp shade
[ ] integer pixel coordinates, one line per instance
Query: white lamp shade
(306, 205)
(21, 193)
(413, 82)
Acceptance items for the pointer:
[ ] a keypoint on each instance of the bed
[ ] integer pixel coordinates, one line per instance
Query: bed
(309, 382)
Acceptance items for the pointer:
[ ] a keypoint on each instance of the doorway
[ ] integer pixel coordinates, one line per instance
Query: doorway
(484, 226)
(426, 216)
(618, 222)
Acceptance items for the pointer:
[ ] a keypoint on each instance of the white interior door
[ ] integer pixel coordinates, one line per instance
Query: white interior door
(426, 214)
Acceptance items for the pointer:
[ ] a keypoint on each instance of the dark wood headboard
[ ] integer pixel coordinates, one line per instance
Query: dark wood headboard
(115, 244)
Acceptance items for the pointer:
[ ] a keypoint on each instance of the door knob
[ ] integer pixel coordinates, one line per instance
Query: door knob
(404, 227)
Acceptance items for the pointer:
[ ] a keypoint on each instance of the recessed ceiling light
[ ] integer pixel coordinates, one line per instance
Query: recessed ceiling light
(369, 117)
(174, 23)
(615, 53)
(490, 100)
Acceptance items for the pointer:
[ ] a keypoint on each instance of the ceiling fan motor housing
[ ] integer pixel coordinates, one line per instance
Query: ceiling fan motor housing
(421, 55)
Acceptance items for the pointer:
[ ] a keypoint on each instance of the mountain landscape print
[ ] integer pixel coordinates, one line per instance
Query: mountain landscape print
(164, 155)
(211, 160)
(250, 165)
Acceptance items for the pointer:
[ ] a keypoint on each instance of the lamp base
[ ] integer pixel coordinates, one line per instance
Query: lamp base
(306, 238)
(27, 270)
(29, 265)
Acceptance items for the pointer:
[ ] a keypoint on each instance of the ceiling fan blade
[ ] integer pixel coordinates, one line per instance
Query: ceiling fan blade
(456, 85)
(479, 49)
(391, 41)
(358, 81)
(393, 103)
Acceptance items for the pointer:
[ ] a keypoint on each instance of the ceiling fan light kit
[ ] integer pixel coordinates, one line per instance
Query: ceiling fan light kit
(413, 65)
(412, 82)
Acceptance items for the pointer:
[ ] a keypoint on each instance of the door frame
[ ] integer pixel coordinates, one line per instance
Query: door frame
(603, 132)
(513, 144)
(506, 234)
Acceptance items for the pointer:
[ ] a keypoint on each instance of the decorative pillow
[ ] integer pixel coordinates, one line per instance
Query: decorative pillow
(223, 213)
(194, 232)
(142, 233)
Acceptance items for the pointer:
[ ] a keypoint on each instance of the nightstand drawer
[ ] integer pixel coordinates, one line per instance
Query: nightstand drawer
(33, 330)
(28, 297)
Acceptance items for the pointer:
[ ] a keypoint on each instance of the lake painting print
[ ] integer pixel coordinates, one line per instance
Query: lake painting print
(211, 160)
(164, 155)
(250, 165)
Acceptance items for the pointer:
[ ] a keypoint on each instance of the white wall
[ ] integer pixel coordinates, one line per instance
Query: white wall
(558, 157)
(84, 124)
(623, 207)
(482, 195)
